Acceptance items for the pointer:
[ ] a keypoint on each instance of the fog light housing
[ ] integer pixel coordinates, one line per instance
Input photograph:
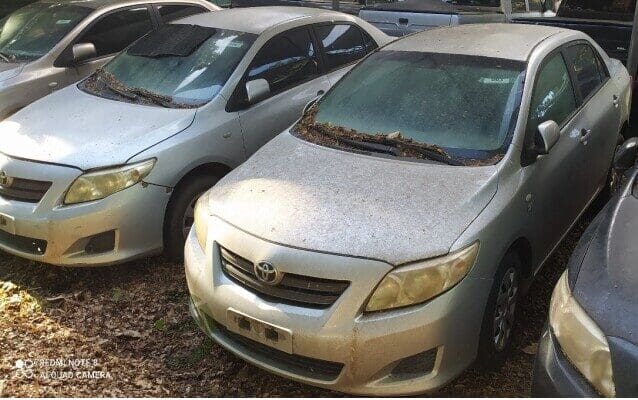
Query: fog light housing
(101, 243)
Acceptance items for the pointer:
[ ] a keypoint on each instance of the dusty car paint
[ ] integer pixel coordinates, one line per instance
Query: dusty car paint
(319, 212)
(98, 132)
(24, 83)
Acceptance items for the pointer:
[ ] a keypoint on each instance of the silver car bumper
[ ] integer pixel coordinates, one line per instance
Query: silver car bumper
(125, 225)
(400, 352)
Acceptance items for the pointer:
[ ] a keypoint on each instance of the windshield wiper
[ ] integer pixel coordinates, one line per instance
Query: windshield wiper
(393, 144)
(371, 146)
(5, 57)
(427, 151)
(134, 93)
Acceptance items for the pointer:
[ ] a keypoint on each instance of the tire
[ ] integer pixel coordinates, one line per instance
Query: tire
(179, 213)
(500, 313)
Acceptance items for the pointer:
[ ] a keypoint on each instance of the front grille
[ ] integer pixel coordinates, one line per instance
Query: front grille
(299, 365)
(25, 190)
(23, 243)
(305, 291)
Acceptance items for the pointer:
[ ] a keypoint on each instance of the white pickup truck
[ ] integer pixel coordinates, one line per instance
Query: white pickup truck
(401, 17)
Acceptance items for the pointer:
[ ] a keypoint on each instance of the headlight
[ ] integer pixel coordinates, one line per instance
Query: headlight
(581, 340)
(201, 220)
(103, 183)
(422, 281)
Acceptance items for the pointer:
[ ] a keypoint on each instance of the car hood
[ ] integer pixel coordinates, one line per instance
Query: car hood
(9, 70)
(74, 128)
(318, 198)
(605, 283)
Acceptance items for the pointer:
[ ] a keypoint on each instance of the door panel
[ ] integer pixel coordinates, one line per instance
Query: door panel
(289, 63)
(553, 189)
(600, 118)
(263, 121)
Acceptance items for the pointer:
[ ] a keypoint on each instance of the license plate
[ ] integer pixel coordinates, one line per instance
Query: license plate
(259, 331)
(8, 223)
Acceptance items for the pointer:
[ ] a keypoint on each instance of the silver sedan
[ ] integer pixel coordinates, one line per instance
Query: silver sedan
(109, 169)
(50, 44)
(382, 244)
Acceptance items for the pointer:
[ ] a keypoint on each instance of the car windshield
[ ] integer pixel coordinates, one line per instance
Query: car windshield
(32, 31)
(599, 9)
(186, 80)
(415, 104)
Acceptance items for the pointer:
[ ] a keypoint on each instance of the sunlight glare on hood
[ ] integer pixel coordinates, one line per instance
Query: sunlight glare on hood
(12, 132)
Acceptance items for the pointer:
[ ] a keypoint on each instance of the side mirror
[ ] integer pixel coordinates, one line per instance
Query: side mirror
(548, 135)
(257, 90)
(626, 154)
(83, 52)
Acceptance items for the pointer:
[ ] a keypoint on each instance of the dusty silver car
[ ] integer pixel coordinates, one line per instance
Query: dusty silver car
(109, 169)
(381, 244)
(50, 44)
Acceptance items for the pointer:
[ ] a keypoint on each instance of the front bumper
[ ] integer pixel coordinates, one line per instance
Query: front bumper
(339, 347)
(49, 232)
(554, 376)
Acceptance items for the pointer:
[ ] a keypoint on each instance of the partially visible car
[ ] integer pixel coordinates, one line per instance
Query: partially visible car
(590, 344)
(382, 244)
(109, 169)
(402, 17)
(50, 44)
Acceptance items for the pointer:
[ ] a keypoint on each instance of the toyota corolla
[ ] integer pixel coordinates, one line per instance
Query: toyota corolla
(382, 244)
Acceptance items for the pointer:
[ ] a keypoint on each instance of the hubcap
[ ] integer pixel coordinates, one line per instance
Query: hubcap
(189, 216)
(505, 309)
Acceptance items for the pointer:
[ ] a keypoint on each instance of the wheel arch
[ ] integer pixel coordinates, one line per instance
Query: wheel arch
(210, 168)
(522, 247)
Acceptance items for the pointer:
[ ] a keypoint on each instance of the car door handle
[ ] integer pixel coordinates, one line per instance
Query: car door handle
(320, 93)
(584, 135)
(615, 101)
(403, 21)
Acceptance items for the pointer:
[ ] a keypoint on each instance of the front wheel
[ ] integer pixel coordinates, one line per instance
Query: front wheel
(180, 213)
(499, 319)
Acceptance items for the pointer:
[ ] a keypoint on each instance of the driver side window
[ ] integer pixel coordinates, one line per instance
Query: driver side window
(115, 31)
(553, 95)
(286, 61)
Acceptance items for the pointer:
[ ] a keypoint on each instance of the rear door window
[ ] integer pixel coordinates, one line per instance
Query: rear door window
(343, 44)
(172, 12)
(587, 67)
(115, 31)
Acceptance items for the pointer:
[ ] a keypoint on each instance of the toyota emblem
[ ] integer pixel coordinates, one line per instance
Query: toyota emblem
(5, 180)
(267, 273)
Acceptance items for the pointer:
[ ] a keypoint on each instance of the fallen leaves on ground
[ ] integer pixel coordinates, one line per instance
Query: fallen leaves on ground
(131, 327)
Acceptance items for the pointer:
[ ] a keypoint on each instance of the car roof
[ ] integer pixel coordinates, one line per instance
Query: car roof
(506, 41)
(259, 19)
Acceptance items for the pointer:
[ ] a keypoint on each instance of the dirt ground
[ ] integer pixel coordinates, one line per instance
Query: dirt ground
(126, 331)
